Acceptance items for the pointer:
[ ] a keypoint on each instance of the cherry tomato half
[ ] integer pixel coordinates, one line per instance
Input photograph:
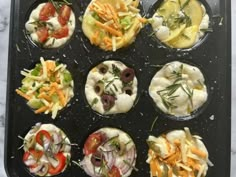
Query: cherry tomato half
(40, 136)
(114, 172)
(42, 34)
(47, 11)
(64, 15)
(60, 33)
(61, 164)
(93, 142)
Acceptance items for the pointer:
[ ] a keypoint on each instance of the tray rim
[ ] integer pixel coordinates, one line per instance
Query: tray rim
(228, 26)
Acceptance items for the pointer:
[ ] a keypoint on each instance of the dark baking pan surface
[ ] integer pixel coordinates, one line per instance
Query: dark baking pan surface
(212, 56)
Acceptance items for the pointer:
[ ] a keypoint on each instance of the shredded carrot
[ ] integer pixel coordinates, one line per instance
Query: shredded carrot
(40, 110)
(109, 29)
(50, 66)
(173, 158)
(94, 39)
(44, 96)
(168, 145)
(177, 142)
(61, 97)
(198, 152)
(143, 20)
(43, 89)
(155, 168)
(183, 173)
(27, 97)
(170, 172)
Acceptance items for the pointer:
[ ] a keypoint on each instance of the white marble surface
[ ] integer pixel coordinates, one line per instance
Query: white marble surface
(4, 30)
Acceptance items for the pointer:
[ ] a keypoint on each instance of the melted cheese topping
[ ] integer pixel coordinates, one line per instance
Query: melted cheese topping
(54, 25)
(123, 102)
(178, 89)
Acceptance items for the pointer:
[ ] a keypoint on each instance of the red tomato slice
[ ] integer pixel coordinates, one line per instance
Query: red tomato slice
(36, 155)
(40, 136)
(114, 172)
(47, 11)
(93, 142)
(60, 33)
(61, 164)
(64, 15)
(42, 34)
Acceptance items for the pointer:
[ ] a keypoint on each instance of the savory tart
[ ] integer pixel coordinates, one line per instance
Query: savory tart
(111, 88)
(180, 23)
(178, 89)
(109, 152)
(112, 24)
(177, 153)
(51, 24)
(46, 150)
(47, 88)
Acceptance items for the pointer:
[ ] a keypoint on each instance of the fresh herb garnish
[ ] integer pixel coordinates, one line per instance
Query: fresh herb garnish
(185, 36)
(59, 4)
(185, 4)
(130, 165)
(115, 70)
(95, 101)
(153, 123)
(189, 92)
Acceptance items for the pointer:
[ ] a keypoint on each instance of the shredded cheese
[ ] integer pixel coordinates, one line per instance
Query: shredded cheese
(113, 43)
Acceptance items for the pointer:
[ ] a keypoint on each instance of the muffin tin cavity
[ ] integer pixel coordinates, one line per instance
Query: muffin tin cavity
(111, 87)
(179, 90)
(51, 24)
(180, 24)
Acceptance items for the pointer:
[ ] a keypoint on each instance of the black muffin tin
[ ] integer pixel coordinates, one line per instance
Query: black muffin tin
(212, 56)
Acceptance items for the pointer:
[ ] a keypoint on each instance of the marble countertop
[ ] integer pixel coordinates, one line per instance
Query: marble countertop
(4, 31)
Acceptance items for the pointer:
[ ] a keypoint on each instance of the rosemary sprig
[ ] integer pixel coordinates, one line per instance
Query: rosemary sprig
(153, 123)
(185, 4)
(130, 165)
(185, 36)
(115, 70)
(189, 92)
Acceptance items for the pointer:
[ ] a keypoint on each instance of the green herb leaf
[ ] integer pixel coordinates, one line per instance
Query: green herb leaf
(95, 101)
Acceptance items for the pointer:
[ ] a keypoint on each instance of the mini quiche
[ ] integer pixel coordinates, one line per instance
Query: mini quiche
(46, 150)
(51, 24)
(177, 154)
(111, 88)
(47, 88)
(112, 24)
(178, 89)
(180, 23)
(109, 152)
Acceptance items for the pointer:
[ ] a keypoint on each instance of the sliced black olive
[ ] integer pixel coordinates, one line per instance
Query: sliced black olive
(127, 75)
(99, 88)
(128, 90)
(97, 159)
(108, 102)
(102, 68)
